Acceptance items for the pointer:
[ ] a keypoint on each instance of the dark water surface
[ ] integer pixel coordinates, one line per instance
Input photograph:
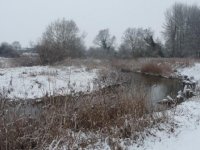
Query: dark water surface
(156, 88)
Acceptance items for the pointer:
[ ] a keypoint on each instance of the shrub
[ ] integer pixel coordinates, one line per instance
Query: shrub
(60, 40)
(151, 68)
(26, 60)
(163, 68)
(7, 50)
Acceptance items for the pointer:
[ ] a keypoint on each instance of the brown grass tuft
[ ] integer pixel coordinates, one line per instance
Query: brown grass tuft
(151, 68)
(163, 69)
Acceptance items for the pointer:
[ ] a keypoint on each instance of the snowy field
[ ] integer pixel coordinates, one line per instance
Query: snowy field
(36, 82)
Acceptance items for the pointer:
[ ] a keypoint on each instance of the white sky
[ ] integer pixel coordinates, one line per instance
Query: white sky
(26, 20)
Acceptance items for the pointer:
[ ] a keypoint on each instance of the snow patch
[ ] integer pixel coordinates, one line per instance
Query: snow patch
(192, 72)
(36, 82)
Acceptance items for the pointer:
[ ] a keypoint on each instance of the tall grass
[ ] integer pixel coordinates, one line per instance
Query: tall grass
(110, 112)
(116, 111)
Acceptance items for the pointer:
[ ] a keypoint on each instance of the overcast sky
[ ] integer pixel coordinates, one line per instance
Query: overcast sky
(26, 20)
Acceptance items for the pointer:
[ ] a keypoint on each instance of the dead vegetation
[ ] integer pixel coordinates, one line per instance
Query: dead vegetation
(157, 69)
(82, 120)
(26, 60)
(137, 63)
(78, 120)
(23, 60)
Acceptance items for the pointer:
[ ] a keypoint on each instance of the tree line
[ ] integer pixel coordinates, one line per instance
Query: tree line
(10, 50)
(182, 30)
(181, 33)
(62, 39)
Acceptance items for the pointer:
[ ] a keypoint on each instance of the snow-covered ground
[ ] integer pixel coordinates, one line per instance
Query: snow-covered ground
(6, 62)
(193, 71)
(186, 133)
(35, 82)
(180, 132)
(187, 119)
(38, 81)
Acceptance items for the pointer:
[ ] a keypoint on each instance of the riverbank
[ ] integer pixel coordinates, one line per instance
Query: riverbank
(185, 119)
(112, 117)
(178, 131)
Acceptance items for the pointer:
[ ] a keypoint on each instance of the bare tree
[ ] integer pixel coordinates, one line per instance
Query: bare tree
(104, 40)
(182, 30)
(60, 40)
(175, 28)
(16, 45)
(138, 42)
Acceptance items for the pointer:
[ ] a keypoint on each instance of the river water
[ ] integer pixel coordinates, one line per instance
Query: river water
(155, 88)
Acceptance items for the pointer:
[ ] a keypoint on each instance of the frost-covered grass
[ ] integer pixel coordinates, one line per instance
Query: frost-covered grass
(179, 131)
(39, 81)
(105, 119)
(75, 121)
(186, 120)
